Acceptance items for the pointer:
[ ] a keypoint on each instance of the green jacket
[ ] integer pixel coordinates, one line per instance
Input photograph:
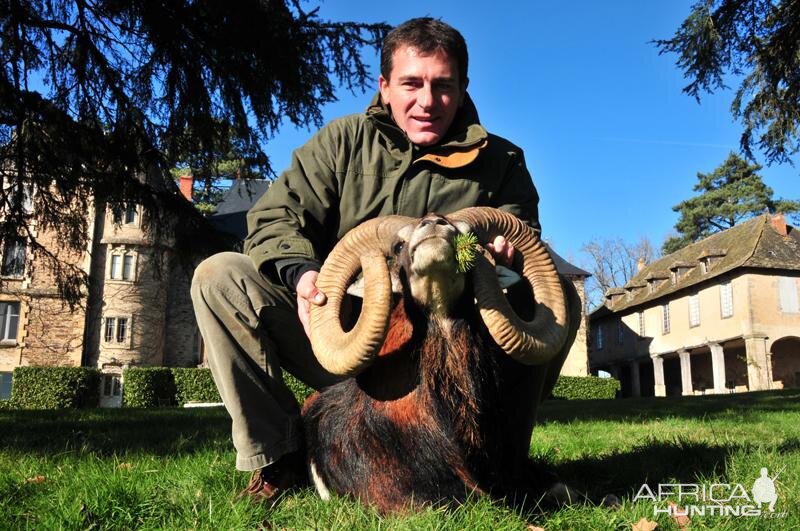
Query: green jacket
(362, 166)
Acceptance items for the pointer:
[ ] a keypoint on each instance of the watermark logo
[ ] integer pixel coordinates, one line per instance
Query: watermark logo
(715, 499)
(764, 490)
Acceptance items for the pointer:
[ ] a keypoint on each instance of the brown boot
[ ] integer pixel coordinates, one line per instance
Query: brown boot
(268, 483)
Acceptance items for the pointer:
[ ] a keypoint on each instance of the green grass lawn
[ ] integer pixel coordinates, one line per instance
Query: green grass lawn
(173, 468)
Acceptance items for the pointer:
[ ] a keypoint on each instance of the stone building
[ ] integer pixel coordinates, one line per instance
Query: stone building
(720, 315)
(137, 311)
(577, 362)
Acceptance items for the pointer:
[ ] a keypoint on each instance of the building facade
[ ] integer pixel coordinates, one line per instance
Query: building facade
(720, 315)
(136, 312)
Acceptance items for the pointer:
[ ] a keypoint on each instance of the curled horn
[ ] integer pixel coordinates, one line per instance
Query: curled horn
(529, 342)
(363, 248)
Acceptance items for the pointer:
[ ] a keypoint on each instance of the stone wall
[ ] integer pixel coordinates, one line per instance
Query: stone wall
(49, 332)
(577, 362)
(182, 341)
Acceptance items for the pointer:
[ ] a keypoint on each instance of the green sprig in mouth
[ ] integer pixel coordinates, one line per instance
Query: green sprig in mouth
(466, 249)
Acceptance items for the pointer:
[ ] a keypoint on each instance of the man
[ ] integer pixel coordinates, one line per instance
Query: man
(419, 148)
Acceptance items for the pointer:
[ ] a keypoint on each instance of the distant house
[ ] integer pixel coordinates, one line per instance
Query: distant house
(720, 315)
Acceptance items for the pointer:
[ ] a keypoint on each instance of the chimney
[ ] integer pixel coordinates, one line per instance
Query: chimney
(186, 185)
(641, 264)
(779, 224)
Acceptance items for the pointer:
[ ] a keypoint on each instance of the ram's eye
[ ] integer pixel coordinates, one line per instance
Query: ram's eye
(398, 247)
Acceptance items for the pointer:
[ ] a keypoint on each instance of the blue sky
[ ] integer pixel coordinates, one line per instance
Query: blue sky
(610, 139)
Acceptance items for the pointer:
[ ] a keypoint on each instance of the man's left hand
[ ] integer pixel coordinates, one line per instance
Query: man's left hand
(502, 251)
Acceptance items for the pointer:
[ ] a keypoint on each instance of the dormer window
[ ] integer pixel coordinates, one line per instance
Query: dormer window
(632, 290)
(654, 281)
(678, 270)
(613, 295)
(709, 258)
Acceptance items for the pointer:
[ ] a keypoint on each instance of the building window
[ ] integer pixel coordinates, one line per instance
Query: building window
(131, 215)
(112, 385)
(116, 330)
(620, 332)
(122, 265)
(694, 310)
(787, 290)
(127, 215)
(726, 299)
(5, 385)
(20, 194)
(599, 339)
(641, 324)
(9, 321)
(665, 318)
(14, 250)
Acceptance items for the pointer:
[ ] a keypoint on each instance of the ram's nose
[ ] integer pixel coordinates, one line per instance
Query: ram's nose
(433, 219)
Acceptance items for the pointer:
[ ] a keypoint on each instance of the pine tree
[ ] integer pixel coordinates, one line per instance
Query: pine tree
(100, 98)
(733, 192)
(759, 42)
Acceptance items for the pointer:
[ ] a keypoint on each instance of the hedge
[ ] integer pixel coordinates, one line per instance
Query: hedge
(55, 387)
(195, 385)
(585, 388)
(148, 387)
(71, 387)
(151, 387)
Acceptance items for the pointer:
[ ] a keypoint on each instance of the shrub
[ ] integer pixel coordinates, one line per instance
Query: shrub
(585, 388)
(55, 387)
(195, 385)
(156, 386)
(148, 387)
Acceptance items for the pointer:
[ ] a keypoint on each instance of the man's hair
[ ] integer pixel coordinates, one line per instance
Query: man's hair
(426, 35)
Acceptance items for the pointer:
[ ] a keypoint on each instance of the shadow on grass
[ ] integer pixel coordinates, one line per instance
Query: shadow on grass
(167, 431)
(682, 407)
(654, 462)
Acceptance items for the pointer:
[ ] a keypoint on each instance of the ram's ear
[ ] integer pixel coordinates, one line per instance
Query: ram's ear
(356, 289)
(507, 277)
(462, 226)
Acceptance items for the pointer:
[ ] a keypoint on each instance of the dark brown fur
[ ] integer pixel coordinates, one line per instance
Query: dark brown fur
(419, 425)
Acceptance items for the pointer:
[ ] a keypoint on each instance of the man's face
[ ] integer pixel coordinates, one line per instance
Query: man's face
(424, 94)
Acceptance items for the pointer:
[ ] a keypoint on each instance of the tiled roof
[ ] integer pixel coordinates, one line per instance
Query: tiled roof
(242, 194)
(753, 244)
(231, 214)
(566, 268)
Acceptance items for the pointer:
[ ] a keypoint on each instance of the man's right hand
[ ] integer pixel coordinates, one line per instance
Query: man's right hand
(308, 294)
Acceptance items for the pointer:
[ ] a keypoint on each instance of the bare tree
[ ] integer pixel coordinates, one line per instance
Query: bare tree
(613, 262)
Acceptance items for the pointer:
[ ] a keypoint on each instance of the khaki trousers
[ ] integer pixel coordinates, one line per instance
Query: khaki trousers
(251, 332)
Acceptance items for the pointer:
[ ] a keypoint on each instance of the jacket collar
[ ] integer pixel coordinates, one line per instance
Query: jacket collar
(459, 147)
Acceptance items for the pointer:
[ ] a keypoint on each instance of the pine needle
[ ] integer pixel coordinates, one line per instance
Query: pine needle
(466, 248)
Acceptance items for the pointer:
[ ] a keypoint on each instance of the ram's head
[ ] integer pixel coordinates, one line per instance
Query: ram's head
(423, 252)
